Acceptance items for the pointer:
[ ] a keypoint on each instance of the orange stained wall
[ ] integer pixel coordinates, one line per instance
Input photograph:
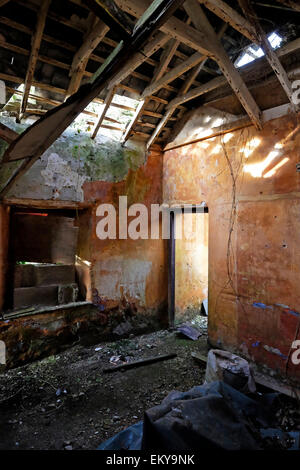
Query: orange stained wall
(191, 263)
(129, 272)
(253, 195)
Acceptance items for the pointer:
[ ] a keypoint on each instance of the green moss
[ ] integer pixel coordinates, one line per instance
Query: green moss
(101, 159)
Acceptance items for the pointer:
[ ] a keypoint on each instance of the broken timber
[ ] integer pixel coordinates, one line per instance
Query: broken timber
(141, 362)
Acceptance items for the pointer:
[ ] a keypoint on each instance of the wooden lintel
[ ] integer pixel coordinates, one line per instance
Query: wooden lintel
(45, 204)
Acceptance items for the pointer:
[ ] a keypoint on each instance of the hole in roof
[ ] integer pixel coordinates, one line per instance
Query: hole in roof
(253, 51)
(117, 117)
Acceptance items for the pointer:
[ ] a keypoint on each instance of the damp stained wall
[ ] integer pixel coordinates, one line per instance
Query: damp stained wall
(117, 274)
(253, 196)
(127, 272)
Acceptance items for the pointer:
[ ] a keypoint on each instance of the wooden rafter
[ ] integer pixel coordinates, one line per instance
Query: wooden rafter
(270, 54)
(294, 4)
(7, 134)
(3, 2)
(180, 69)
(35, 46)
(184, 89)
(113, 16)
(81, 58)
(174, 27)
(38, 137)
(165, 60)
(139, 57)
(232, 17)
(108, 101)
(233, 77)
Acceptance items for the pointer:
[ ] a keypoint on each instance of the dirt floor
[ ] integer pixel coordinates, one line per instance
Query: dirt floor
(67, 402)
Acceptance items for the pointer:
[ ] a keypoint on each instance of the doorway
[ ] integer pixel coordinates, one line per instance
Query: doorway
(188, 263)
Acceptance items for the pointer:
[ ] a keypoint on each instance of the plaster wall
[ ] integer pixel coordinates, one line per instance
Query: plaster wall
(253, 194)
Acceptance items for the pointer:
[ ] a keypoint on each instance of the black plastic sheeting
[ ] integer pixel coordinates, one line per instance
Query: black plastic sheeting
(208, 416)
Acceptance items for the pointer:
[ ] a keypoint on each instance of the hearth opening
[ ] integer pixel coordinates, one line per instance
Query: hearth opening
(45, 266)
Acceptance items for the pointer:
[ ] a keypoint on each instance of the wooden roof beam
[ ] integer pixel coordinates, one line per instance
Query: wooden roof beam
(35, 46)
(294, 4)
(158, 41)
(184, 89)
(165, 60)
(91, 41)
(270, 54)
(80, 60)
(3, 2)
(113, 16)
(232, 75)
(108, 101)
(33, 142)
(7, 134)
(174, 27)
(232, 17)
(173, 74)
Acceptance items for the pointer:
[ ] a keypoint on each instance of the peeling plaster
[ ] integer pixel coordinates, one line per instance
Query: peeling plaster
(70, 161)
(117, 277)
(58, 174)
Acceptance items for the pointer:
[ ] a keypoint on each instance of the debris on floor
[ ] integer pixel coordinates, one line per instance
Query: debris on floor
(96, 406)
(189, 331)
(232, 369)
(142, 362)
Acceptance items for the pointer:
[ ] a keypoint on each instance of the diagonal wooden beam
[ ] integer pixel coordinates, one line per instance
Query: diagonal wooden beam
(270, 54)
(81, 58)
(91, 41)
(108, 101)
(174, 27)
(233, 77)
(165, 59)
(173, 74)
(164, 62)
(3, 2)
(113, 16)
(294, 4)
(159, 40)
(35, 46)
(184, 89)
(7, 134)
(33, 142)
(232, 17)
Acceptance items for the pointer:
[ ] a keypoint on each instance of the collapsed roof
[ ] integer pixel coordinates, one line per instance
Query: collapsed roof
(192, 61)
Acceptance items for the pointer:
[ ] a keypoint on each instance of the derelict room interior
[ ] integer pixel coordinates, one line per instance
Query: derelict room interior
(149, 225)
